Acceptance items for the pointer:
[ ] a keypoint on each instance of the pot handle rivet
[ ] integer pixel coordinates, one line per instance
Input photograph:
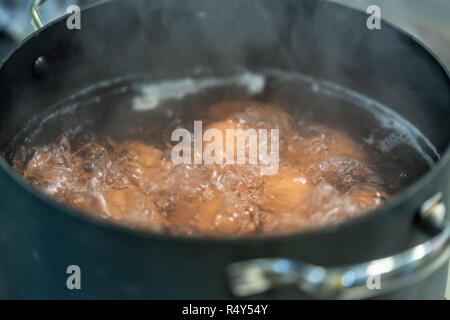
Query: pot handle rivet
(40, 66)
(436, 214)
(433, 213)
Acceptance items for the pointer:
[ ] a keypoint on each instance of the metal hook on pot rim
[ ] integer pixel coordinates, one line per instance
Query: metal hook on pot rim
(36, 18)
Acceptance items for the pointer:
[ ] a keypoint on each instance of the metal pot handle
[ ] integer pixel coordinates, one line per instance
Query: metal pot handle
(357, 281)
(35, 15)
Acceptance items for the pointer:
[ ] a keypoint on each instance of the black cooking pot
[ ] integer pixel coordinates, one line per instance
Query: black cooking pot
(40, 238)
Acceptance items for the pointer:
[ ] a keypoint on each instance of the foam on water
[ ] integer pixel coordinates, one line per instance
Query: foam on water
(152, 94)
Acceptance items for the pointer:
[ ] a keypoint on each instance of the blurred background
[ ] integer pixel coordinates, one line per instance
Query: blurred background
(427, 20)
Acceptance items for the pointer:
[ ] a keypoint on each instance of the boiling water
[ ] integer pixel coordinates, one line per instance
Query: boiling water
(107, 152)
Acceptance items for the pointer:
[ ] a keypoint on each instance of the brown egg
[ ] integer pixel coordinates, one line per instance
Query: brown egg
(266, 116)
(196, 215)
(131, 206)
(252, 111)
(222, 127)
(342, 172)
(142, 164)
(244, 180)
(81, 199)
(324, 205)
(246, 143)
(52, 170)
(207, 212)
(225, 125)
(286, 222)
(330, 143)
(146, 155)
(285, 190)
(216, 215)
(236, 218)
(52, 180)
(367, 197)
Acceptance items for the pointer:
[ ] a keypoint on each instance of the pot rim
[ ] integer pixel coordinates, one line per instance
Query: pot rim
(385, 209)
